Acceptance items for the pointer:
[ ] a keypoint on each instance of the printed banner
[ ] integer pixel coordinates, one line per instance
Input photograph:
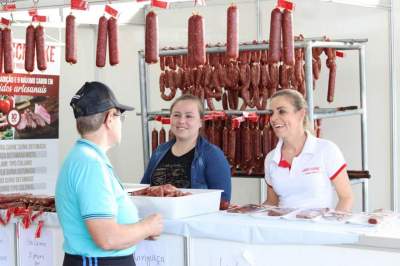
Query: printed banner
(29, 127)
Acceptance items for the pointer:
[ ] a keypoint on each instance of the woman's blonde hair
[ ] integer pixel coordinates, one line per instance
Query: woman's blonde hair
(189, 97)
(298, 102)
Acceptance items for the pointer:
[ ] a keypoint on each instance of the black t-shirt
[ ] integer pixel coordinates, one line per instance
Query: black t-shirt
(174, 170)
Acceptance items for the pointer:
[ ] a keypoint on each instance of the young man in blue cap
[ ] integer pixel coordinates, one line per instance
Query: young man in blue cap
(99, 221)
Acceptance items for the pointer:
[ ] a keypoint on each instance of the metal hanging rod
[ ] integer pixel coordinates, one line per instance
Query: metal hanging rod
(342, 44)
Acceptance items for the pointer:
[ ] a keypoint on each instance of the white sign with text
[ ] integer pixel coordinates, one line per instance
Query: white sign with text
(7, 251)
(35, 251)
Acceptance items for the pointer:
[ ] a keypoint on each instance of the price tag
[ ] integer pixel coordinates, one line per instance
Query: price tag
(340, 54)
(286, 5)
(79, 4)
(5, 22)
(111, 11)
(38, 18)
(9, 7)
(160, 4)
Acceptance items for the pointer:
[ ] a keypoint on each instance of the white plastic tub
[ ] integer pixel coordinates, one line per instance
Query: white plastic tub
(200, 202)
(129, 187)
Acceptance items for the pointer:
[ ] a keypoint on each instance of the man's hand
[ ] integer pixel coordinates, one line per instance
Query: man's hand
(154, 225)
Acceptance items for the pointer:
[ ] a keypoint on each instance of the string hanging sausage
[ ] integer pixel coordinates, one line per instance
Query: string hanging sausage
(70, 40)
(151, 38)
(30, 48)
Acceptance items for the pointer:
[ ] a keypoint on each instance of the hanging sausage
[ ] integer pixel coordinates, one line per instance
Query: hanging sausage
(70, 40)
(151, 38)
(30, 48)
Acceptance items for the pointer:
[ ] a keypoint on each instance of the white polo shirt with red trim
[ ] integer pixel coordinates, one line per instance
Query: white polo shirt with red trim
(306, 183)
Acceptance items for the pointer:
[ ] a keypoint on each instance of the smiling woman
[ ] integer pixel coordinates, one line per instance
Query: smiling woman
(189, 160)
(302, 169)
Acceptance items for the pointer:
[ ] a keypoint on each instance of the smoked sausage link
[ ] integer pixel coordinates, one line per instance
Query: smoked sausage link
(1, 51)
(154, 139)
(275, 36)
(8, 51)
(41, 60)
(112, 28)
(70, 40)
(151, 38)
(287, 38)
(196, 41)
(232, 33)
(101, 42)
(162, 136)
(30, 48)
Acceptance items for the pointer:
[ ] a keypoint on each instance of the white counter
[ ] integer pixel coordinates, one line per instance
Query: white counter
(221, 239)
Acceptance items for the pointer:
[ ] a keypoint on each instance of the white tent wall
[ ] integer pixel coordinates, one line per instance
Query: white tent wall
(311, 18)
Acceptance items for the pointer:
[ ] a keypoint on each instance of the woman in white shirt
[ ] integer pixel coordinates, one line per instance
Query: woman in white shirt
(302, 169)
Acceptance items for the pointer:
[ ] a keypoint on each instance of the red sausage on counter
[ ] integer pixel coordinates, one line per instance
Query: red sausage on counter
(41, 60)
(151, 38)
(70, 40)
(101, 42)
(113, 50)
(274, 52)
(30, 48)
(232, 33)
(196, 41)
(1, 51)
(8, 51)
(287, 38)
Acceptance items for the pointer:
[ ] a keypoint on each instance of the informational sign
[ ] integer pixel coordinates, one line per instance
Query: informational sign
(7, 251)
(35, 251)
(29, 127)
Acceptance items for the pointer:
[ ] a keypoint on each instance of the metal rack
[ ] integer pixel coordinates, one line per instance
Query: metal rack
(320, 113)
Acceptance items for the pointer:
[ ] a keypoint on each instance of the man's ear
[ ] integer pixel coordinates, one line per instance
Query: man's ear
(107, 119)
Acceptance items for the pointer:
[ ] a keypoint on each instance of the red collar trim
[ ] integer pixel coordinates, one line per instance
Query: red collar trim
(284, 164)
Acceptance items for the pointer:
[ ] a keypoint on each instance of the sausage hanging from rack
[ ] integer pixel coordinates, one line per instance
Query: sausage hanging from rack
(112, 28)
(231, 145)
(101, 49)
(287, 38)
(1, 50)
(161, 136)
(151, 38)
(30, 48)
(331, 64)
(274, 52)
(154, 139)
(70, 40)
(41, 60)
(8, 51)
(196, 41)
(232, 39)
